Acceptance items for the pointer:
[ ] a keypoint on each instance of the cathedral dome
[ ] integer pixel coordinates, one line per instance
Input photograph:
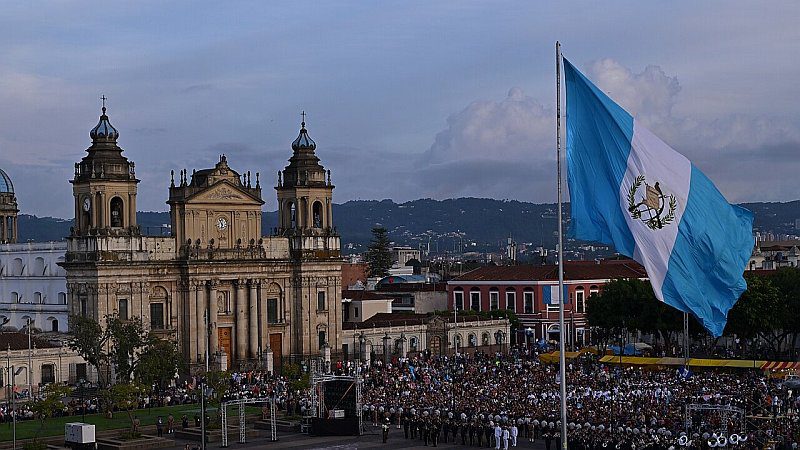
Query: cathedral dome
(6, 187)
(104, 131)
(303, 142)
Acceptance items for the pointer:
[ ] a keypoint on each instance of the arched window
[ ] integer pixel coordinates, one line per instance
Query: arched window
(475, 299)
(511, 299)
(37, 298)
(494, 299)
(413, 343)
(292, 215)
(116, 212)
(527, 298)
(317, 214)
(62, 298)
(38, 266)
(17, 267)
(485, 339)
(472, 340)
(15, 297)
(458, 299)
(54, 325)
(580, 300)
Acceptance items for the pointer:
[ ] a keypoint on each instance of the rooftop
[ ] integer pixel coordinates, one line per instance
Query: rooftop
(573, 270)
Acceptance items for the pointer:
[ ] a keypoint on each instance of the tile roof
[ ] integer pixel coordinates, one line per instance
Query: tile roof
(573, 270)
(360, 295)
(17, 340)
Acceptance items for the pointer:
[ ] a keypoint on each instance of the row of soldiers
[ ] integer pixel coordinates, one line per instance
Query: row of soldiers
(432, 429)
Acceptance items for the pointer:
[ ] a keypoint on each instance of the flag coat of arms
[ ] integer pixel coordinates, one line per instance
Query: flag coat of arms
(631, 190)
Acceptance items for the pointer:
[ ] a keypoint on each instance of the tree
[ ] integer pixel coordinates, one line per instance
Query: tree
(125, 397)
(120, 344)
(787, 281)
(158, 362)
(90, 341)
(49, 402)
(379, 255)
(759, 313)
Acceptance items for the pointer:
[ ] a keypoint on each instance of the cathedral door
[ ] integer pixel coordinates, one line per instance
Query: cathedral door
(225, 343)
(276, 344)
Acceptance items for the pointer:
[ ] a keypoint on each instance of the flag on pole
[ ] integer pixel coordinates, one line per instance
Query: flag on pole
(631, 190)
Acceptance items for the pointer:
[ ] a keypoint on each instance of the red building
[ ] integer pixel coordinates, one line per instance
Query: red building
(532, 293)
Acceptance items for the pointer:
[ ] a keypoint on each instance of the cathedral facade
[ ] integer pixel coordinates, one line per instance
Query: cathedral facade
(215, 286)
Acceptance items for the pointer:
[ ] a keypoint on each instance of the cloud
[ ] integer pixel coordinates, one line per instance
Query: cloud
(505, 149)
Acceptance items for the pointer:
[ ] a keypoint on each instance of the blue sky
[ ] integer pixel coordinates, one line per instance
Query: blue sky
(404, 99)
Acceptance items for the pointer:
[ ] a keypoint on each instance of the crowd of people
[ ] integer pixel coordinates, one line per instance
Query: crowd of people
(499, 400)
(472, 397)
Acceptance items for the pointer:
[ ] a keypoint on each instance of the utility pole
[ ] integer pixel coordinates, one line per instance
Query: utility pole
(30, 362)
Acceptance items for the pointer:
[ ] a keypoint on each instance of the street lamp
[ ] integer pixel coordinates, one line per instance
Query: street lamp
(82, 385)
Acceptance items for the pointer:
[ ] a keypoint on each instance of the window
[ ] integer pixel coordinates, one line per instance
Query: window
(15, 297)
(321, 301)
(494, 299)
(116, 212)
(48, 373)
(62, 298)
(292, 215)
(272, 310)
(80, 371)
(37, 298)
(54, 325)
(156, 316)
(458, 299)
(123, 309)
(528, 298)
(511, 301)
(413, 343)
(593, 290)
(84, 300)
(580, 307)
(317, 215)
(472, 340)
(321, 338)
(355, 312)
(485, 339)
(475, 300)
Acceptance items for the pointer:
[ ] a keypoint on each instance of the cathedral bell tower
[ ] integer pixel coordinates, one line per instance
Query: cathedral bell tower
(305, 193)
(104, 186)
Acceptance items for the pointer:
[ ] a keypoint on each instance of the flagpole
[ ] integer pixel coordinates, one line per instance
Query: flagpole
(561, 359)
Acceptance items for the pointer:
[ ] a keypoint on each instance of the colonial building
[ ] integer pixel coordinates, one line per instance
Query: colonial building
(532, 293)
(8, 210)
(389, 336)
(216, 285)
(32, 286)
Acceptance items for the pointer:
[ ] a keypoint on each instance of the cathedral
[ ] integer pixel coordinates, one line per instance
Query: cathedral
(215, 286)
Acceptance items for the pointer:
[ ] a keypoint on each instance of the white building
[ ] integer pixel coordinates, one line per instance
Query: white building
(33, 286)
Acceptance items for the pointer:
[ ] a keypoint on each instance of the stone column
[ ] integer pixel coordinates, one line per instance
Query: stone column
(270, 360)
(188, 323)
(252, 323)
(200, 327)
(213, 311)
(241, 320)
(263, 326)
(367, 353)
(326, 356)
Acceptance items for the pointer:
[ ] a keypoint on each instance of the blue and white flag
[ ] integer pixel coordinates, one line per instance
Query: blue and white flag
(550, 295)
(631, 190)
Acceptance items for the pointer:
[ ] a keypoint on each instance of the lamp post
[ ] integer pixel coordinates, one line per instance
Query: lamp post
(82, 385)
(30, 361)
(386, 340)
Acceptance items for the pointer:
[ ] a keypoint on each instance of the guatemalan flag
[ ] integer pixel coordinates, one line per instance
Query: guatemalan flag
(631, 190)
